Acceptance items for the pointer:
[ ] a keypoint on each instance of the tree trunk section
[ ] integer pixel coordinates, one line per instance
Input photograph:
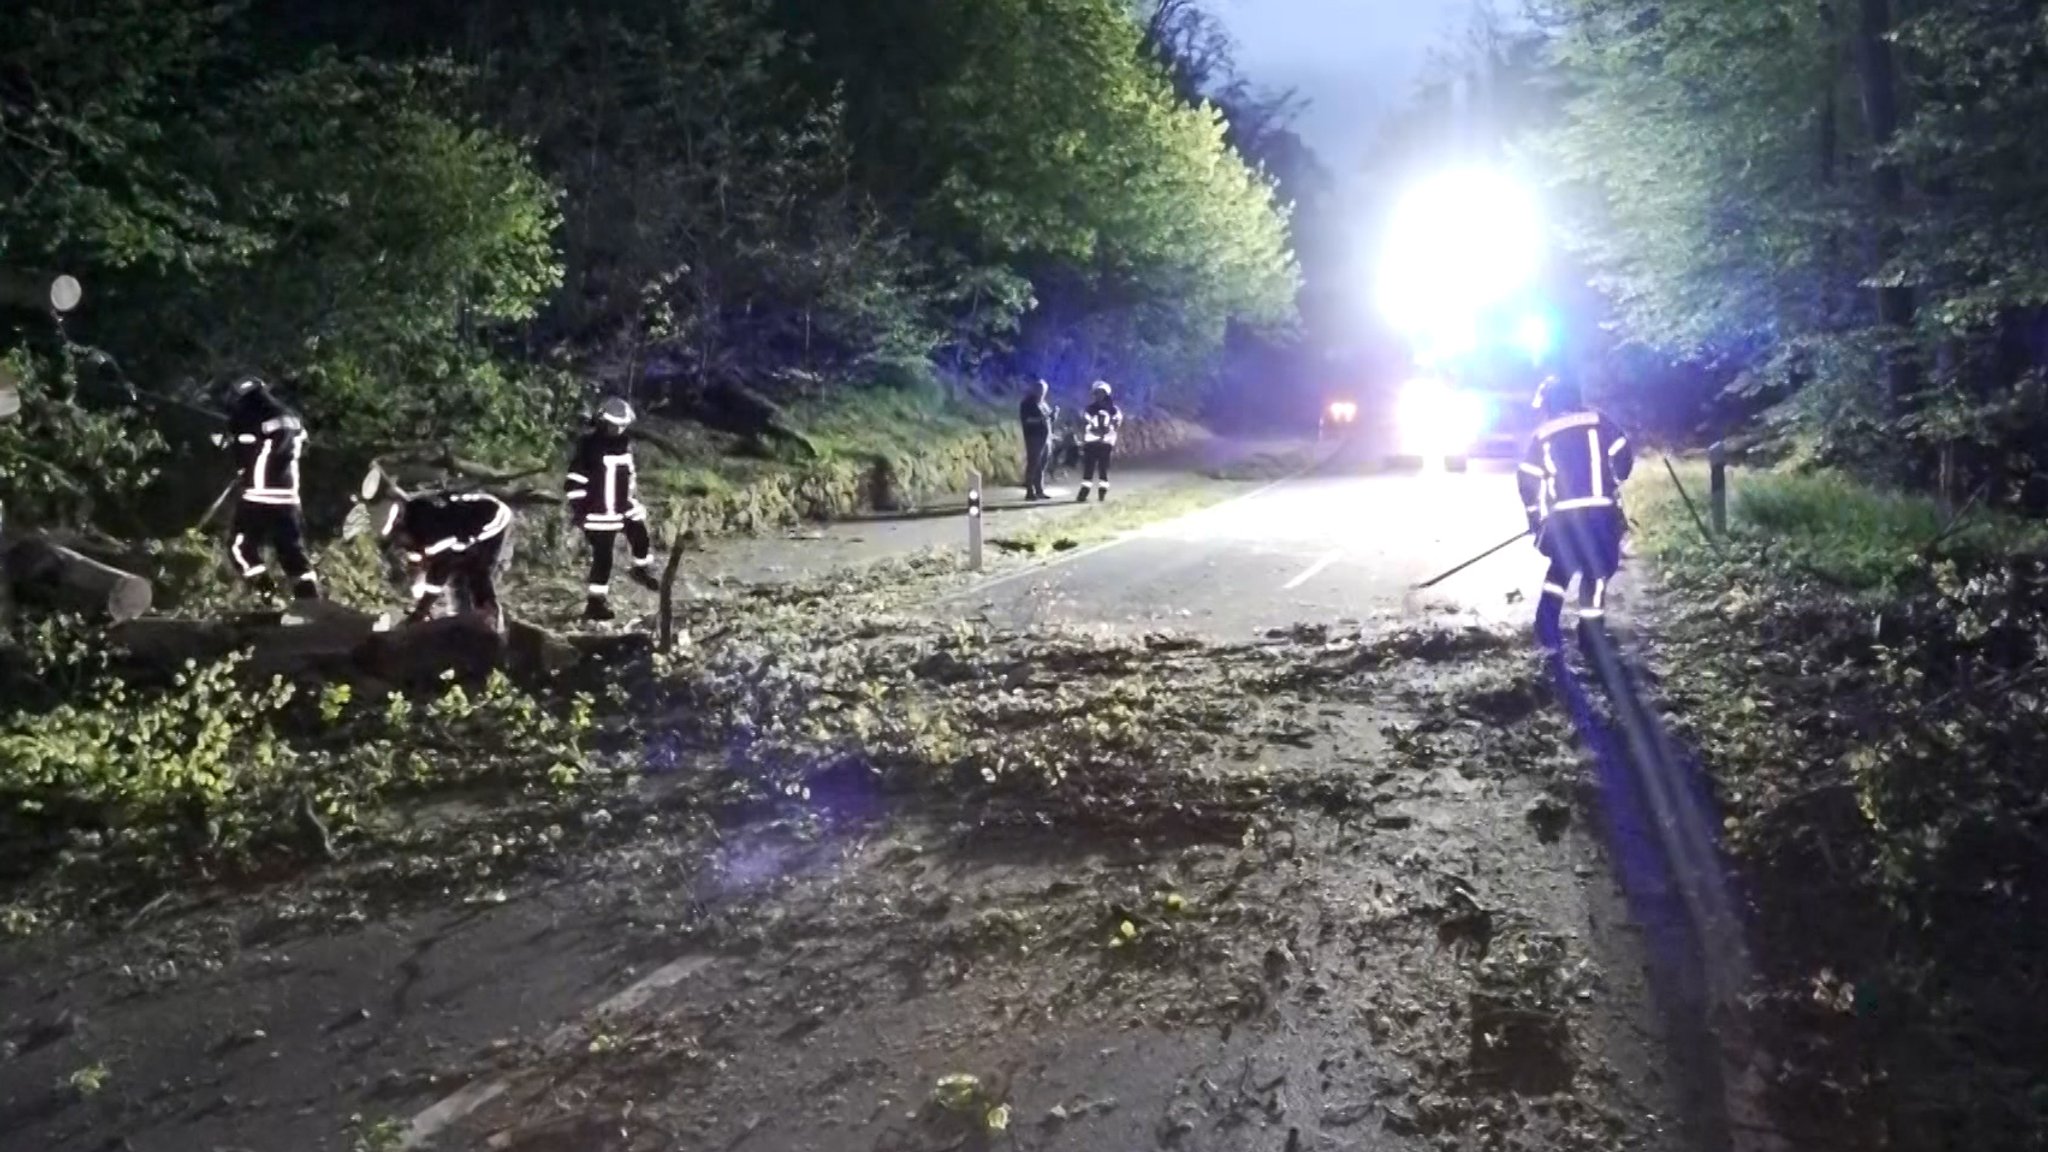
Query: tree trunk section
(1829, 145)
(1878, 76)
(6, 587)
(336, 643)
(47, 573)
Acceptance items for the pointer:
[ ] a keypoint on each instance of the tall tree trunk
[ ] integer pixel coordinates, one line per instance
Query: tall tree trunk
(1829, 145)
(1878, 75)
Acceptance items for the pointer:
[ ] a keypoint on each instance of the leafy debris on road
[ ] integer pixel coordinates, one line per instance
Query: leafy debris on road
(916, 846)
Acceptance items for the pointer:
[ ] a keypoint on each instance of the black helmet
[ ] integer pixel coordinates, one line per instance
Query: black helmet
(245, 384)
(1559, 394)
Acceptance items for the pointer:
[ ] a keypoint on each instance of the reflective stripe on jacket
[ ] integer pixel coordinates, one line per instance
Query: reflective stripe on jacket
(1578, 460)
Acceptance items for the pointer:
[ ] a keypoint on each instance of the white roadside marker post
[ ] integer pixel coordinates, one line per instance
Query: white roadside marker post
(974, 521)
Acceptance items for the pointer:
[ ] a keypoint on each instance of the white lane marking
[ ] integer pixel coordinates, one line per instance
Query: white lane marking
(435, 1120)
(1311, 571)
(1062, 561)
(441, 1116)
(643, 990)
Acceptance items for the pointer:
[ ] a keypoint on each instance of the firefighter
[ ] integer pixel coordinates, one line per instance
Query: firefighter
(460, 540)
(267, 440)
(1098, 442)
(1571, 481)
(1035, 413)
(604, 500)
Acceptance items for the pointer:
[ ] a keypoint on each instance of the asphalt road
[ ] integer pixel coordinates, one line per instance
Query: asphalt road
(814, 550)
(1348, 541)
(256, 1036)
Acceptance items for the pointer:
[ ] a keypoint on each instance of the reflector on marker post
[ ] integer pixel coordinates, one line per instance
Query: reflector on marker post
(974, 521)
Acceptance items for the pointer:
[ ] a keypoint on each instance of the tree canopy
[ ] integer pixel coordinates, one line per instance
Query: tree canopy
(435, 218)
(1845, 199)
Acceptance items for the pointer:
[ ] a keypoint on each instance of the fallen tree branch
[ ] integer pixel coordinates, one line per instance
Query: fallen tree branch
(1956, 521)
(480, 478)
(526, 497)
(659, 441)
(55, 472)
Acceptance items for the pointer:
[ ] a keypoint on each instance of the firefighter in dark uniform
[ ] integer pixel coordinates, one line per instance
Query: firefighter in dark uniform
(457, 540)
(1098, 441)
(1035, 414)
(604, 500)
(1571, 481)
(268, 440)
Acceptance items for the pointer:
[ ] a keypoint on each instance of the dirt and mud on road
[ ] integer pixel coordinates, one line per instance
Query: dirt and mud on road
(881, 882)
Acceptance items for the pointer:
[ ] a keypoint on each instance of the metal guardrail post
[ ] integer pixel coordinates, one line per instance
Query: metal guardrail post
(974, 521)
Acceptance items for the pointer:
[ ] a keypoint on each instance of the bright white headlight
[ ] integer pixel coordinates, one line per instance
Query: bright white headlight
(1438, 419)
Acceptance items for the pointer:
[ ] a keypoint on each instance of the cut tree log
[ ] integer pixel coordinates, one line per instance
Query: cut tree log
(334, 642)
(42, 571)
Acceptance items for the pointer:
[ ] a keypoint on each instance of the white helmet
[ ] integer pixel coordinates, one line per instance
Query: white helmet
(1102, 387)
(615, 412)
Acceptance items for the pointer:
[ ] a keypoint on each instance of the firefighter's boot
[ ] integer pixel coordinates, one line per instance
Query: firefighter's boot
(1591, 629)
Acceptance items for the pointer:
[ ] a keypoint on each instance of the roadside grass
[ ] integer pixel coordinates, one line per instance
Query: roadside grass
(1105, 521)
(1822, 524)
(1862, 680)
(1264, 465)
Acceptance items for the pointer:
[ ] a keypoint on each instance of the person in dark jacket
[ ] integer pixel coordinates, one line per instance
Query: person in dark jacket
(455, 540)
(1035, 414)
(1098, 441)
(268, 441)
(603, 488)
(1570, 480)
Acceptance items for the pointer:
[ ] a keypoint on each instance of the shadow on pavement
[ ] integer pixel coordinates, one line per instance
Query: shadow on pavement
(1659, 823)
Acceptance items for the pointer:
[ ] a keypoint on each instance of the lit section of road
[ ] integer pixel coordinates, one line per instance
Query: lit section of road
(1325, 547)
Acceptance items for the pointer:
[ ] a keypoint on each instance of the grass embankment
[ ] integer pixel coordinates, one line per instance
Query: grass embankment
(885, 450)
(879, 450)
(1862, 676)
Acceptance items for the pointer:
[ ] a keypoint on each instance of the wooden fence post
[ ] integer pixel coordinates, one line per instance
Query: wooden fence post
(1717, 487)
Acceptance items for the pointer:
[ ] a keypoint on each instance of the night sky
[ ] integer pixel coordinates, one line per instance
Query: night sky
(1354, 59)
